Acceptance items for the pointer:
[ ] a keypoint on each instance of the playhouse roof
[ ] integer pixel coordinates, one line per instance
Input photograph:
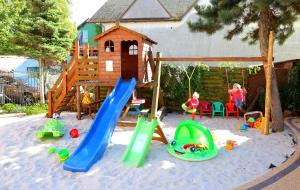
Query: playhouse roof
(149, 10)
(96, 38)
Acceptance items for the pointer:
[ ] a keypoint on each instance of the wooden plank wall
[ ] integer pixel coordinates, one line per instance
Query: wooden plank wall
(212, 86)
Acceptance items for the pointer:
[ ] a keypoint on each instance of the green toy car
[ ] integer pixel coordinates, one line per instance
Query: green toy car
(53, 128)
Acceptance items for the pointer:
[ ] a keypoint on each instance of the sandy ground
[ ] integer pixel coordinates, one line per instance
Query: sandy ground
(26, 164)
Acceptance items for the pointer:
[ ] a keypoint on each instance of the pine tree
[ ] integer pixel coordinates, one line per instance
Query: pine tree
(11, 15)
(254, 19)
(42, 31)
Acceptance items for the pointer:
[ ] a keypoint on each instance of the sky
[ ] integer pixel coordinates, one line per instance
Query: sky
(83, 9)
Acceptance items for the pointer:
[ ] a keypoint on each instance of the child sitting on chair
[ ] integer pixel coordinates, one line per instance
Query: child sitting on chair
(238, 95)
(194, 102)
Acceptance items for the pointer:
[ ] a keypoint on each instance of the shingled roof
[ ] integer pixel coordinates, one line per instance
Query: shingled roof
(113, 10)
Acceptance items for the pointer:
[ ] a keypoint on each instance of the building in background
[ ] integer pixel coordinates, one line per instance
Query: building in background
(87, 31)
(165, 21)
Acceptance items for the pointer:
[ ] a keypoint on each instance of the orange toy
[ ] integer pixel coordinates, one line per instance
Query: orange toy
(230, 144)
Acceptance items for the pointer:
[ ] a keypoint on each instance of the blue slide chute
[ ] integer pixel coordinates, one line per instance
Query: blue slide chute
(93, 146)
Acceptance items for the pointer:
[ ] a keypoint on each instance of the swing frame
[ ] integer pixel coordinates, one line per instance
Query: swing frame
(267, 63)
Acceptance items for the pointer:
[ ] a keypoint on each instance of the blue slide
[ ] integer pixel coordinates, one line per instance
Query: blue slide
(93, 146)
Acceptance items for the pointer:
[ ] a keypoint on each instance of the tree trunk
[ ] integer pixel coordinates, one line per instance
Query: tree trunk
(266, 23)
(42, 92)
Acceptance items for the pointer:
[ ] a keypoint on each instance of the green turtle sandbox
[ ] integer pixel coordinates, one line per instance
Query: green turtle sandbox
(53, 128)
(192, 142)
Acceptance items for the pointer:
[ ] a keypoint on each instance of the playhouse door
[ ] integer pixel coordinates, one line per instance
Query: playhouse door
(129, 59)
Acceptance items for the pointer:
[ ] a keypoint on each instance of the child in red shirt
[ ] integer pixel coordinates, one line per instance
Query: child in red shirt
(194, 102)
(238, 95)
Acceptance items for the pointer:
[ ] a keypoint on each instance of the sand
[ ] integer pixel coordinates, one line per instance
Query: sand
(26, 164)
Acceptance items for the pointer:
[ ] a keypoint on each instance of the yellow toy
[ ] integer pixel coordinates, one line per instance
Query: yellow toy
(230, 144)
(86, 97)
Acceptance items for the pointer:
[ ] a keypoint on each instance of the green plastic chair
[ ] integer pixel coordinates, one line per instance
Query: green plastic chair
(218, 107)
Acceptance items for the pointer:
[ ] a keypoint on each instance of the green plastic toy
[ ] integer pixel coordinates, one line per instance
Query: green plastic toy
(192, 142)
(251, 120)
(63, 154)
(51, 150)
(53, 128)
(183, 106)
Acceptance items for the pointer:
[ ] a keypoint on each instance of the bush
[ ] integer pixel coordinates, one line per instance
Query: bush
(28, 110)
(20, 109)
(36, 109)
(9, 107)
(290, 92)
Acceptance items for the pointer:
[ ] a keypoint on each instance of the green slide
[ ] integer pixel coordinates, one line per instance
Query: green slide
(139, 145)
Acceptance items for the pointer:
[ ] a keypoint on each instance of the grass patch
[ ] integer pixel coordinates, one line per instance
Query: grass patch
(9, 107)
(34, 109)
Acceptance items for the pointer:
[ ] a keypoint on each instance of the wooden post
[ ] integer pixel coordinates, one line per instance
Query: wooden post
(76, 57)
(154, 105)
(86, 51)
(64, 82)
(268, 69)
(161, 98)
(78, 102)
(162, 138)
(76, 52)
(42, 90)
(151, 62)
(97, 93)
(50, 108)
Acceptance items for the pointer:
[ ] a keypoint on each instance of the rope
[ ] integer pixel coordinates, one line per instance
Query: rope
(243, 77)
(227, 78)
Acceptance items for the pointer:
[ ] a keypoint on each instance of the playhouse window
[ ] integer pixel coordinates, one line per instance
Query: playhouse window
(109, 46)
(133, 50)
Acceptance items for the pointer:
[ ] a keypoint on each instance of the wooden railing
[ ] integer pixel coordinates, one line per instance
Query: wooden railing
(88, 69)
(78, 69)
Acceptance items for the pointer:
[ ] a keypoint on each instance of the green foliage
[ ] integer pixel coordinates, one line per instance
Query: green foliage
(28, 110)
(20, 109)
(39, 29)
(253, 70)
(9, 107)
(290, 93)
(174, 84)
(11, 15)
(239, 14)
(229, 65)
(36, 109)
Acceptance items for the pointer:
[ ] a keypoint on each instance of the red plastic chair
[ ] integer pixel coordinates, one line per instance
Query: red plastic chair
(231, 108)
(205, 108)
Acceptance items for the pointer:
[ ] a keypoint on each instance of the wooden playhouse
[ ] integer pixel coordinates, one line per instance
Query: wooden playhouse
(121, 52)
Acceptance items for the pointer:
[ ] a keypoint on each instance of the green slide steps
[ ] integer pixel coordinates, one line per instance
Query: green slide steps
(139, 145)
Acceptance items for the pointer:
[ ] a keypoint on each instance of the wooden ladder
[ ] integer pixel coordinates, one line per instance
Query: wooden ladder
(63, 90)
(78, 69)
